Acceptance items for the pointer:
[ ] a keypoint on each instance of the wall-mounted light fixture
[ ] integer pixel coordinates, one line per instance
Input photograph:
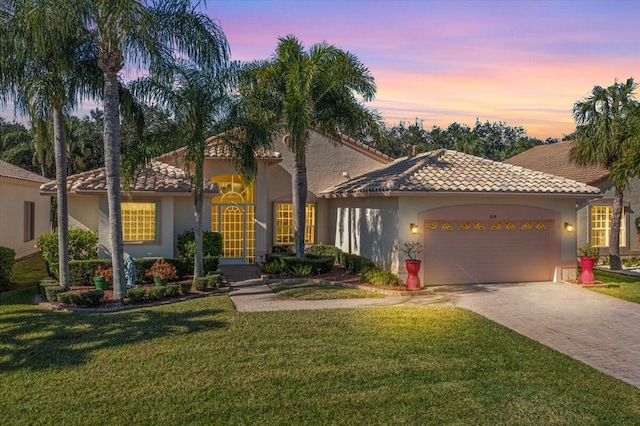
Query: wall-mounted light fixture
(568, 227)
(413, 228)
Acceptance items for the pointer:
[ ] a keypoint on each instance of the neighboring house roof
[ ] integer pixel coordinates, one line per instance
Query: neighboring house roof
(554, 159)
(155, 177)
(445, 171)
(8, 170)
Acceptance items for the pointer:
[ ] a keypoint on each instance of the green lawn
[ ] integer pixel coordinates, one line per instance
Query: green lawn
(619, 286)
(29, 271)
(200, 362)
(309, 290)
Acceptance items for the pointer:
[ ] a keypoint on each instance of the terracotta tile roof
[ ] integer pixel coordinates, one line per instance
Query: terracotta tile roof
(8, 170)
(444, 171)
(155, 177)
(554, 159)
(218, 150)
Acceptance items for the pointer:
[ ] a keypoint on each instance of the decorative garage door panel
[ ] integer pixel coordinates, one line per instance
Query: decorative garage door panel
(487, 251)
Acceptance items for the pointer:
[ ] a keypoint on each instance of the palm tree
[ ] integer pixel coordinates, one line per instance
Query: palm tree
(199, 99)
(144, 34)
(604, 136)
(314, 89)
(45, 68)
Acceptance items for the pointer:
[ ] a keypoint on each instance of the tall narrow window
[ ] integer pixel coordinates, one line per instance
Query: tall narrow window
(284, 233)
(29, 221)
(601, 226)
(139, 221)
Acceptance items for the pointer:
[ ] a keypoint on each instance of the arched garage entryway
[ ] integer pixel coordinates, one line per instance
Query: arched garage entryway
(472, 244)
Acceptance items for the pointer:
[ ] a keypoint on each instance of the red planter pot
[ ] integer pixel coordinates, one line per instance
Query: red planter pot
(586, 276)
(413, 267)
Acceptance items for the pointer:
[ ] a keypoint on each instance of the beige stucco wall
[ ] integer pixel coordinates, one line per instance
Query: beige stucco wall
(327, 160)
(13, 194)
(84, 211)
(371, 226)
(164, 247)
(632, 210)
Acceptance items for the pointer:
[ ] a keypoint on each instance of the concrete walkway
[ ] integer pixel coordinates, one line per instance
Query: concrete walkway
(599, 330)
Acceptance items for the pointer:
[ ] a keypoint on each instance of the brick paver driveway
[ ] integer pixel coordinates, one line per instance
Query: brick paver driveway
(599, 330)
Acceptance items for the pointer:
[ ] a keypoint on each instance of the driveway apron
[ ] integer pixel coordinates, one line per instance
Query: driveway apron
(599, 330)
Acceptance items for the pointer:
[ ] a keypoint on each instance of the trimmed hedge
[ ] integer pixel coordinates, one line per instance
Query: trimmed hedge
(43, 284)
(317, 263)
(353, 262)
(136, 294)
(84, 299)
(81, 272)
(201, 283)
(52, 292)
(7, 260)
(185, 288)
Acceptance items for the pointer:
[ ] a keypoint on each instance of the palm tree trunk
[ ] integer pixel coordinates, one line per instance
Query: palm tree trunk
(198, 269)
(112, 169)
(61, 183)
(299, 200)
(614, 237)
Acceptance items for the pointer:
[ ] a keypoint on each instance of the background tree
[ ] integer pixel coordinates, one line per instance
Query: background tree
(46, 67)
(606, 135)
(314, 89)
(145, 35)
(495, 141)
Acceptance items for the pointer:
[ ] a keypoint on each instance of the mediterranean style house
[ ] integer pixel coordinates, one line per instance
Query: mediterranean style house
(593, 215)
(24, 214)
(480, 221)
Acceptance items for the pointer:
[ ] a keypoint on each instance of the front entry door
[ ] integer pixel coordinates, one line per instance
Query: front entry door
(232, 225)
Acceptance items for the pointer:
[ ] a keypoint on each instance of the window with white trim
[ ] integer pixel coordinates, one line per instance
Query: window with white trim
(139, 221)
(284, 231)
(601, 226)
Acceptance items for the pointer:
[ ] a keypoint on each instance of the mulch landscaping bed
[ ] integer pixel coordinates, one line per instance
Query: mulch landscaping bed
(339, 275)
(107, 303)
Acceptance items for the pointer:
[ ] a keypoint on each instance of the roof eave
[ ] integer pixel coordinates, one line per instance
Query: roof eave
(483, 193)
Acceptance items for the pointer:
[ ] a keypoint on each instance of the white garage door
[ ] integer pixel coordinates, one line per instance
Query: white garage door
(487, 251)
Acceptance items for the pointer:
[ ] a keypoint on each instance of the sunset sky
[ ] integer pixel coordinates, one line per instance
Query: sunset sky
(521, 62)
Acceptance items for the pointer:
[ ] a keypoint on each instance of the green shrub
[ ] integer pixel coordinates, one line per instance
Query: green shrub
(357, 263)
(381, 277)
(214, 280)
(171, 290)
(301, 270)
(83, 245)
(156, 293)
(7, 260)
(201, 283)
(275, 267)
(325, 250)
(64, 297)
(40, 288)
(185, 288)
(136, 294)
(51, 293)
(211, 244)
(210, 264)
(84, 299)
(317, 263)
(93, 297)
